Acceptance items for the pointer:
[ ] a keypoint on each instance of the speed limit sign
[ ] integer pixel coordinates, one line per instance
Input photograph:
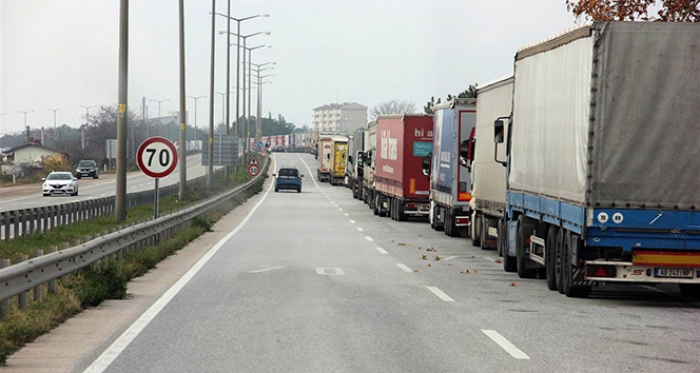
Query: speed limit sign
(157, 157)
(253, 170)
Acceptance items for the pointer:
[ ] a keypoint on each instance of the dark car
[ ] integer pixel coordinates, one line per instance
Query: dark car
(288, 178)
(87, 168)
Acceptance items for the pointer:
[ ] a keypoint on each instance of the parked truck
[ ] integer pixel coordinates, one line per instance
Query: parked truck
(369, 164)
(337, 159)
(354, 168)
(603, 160)
(401, 188)
(449, 171)
(488, 203)
(323, 156)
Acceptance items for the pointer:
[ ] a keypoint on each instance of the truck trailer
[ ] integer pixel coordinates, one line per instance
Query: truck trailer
(369, 165)
(602, 158)
(450, 176)
(488, 203)
(401, 188)
(323, 156)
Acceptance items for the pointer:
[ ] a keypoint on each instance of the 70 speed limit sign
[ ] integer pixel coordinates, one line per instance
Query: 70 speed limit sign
(157, 157)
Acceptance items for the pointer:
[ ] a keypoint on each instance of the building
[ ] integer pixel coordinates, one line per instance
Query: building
(340, 118)
(30, 155)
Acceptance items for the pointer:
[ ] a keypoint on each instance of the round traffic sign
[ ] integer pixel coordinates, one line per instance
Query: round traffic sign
(157, 157)
(253, 170)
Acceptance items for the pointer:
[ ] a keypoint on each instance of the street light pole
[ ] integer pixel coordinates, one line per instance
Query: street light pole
(159, 102)
(238, 59)
(25, 120)
(54, 118)
(210, 143)
(195, 113)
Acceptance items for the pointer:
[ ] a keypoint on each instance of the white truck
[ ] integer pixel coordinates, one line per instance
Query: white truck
(602, 158)
(488, 203)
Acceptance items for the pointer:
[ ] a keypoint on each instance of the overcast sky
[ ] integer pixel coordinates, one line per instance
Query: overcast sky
(64, 53)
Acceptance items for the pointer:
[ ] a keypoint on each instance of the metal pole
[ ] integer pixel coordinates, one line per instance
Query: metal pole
(244, 79)
(120, 199)
(211, 98)
(183, 107)
(156, 193)
(250, 93)
(228, 68)
(238, 70)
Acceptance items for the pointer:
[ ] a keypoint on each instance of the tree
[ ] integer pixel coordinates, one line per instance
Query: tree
(392, 107)
(635, 10)
(467, 93)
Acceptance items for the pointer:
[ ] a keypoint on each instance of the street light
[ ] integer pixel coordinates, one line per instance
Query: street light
(195, 113)
(238, 59)
(245, 39)
(159, 121)
(87, 112)
(223, 105)
(258, 127)
(54, 117)
(246, 129)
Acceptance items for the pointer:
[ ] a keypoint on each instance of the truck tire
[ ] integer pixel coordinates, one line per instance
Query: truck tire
(551, 257)
(500, 239)
(450, 228)
(373, 205)
(570, 290)
(509, 263)
(484, 233)
(438, 226)
(520, 242)
(400, 212)
(475, 229)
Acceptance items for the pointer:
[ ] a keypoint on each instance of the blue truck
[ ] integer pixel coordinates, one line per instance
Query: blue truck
(602, 157)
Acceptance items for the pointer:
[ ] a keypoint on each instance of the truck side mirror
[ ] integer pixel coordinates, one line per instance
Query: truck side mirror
(350, 159)
(427, 160)
(499, 126)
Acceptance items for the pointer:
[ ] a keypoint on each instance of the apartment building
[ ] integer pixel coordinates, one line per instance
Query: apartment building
(342, 118)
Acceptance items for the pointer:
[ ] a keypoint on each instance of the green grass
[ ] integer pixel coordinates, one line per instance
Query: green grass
(108, 280)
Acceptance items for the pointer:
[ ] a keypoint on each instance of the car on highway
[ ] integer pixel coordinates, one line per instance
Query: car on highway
(288, 178)
(59, 182)
(87, 168)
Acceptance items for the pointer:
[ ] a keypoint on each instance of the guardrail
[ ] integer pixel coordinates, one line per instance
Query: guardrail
(42, 219)
(18, 279)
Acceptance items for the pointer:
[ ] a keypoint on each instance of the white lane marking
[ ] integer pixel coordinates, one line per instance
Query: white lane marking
(311, 174)
(489, 258)
(124, 340)
(360, 229)
(340, 209)
(368, 238)
(382, 251)
(450, 258)
(404, 267)
(352, 221)
(346, 214)
(440, 294)
(266, 269)
(506, 345)
(330, 271)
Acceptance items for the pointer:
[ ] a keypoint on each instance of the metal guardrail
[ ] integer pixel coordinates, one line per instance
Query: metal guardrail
(42, 219)
(33, 273)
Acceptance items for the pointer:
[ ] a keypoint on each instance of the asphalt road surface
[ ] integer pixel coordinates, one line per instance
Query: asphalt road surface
(313, 282)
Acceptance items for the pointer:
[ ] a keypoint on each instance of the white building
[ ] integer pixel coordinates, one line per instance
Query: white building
(342, 118)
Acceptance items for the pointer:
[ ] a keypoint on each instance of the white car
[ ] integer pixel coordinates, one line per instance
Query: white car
(60, 183)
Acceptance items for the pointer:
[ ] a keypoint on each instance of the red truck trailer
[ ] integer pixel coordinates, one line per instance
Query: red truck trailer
(401, 188)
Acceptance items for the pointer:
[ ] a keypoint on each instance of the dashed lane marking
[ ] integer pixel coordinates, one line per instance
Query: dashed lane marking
(404, 267)
(440, 294)
(506, 345)
(382, 251)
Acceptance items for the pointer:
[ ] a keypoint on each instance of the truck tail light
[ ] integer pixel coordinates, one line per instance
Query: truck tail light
(601, 271)
(410, 207)
(462, 220)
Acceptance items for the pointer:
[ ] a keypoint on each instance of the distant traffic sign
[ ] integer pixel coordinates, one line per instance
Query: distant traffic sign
(157, 157)
(253, 170)
(253, 160)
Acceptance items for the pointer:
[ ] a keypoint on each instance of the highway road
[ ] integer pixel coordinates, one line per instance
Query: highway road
(313, 282)
(29, 196)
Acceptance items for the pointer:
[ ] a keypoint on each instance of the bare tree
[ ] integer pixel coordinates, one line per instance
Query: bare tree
(392, 107)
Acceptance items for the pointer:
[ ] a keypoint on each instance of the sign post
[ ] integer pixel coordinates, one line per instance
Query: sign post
(253, 169)
(157, 158)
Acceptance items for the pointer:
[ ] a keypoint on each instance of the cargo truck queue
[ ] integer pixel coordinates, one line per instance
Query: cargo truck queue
(582, 167)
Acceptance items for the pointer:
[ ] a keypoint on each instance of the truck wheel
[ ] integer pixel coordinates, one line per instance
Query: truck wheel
(475, 227)
(437, 213)
(400, 213)
(448, 224)
(520, 242)
(374, 205)
(570, 290)
(484, 233)
(551, 257)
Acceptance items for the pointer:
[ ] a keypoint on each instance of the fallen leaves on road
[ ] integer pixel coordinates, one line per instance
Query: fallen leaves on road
(465, 272)
(424, 257)
(431, 249)
(513, 284)
(430, 265)
(498, 261)
(403, 244)
(437, 258)
(415, 270)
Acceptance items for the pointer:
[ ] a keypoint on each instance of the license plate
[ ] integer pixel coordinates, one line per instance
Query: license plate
(674, 272)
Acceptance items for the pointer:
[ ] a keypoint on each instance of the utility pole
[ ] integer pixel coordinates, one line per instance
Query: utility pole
(210, 166)
(183, 105)
(120, 200)
(25, 121)
(195, 114)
